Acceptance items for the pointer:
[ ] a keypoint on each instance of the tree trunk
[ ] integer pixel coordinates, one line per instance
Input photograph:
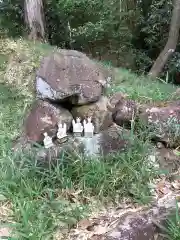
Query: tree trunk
(34, 18)
(171, 44)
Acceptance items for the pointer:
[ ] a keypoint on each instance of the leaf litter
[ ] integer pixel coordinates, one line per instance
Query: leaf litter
(108, 218)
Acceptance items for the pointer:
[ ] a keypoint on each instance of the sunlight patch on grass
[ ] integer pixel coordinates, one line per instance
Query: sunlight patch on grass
(19, 60)
(141, 88)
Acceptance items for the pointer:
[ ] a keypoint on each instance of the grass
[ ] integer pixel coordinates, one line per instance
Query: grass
(173, 228)
(43, 199)
(21, 75)
(19, 60)
(170, 230)
(141, 88)
(173, 232)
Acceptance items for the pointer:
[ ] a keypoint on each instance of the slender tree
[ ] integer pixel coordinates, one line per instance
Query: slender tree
(34, 18)
(171, 44)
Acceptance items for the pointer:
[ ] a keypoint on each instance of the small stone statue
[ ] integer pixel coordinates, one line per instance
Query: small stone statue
(88, 128)
(48, 143)
(77, 127)
(62, 132)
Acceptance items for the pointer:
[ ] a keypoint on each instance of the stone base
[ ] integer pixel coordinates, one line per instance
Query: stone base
(109, 141)
(88, 135)
(78, 134)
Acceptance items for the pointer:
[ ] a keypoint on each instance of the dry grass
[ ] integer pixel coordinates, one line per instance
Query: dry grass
(21, 59)
(6, 211)
(6, 220)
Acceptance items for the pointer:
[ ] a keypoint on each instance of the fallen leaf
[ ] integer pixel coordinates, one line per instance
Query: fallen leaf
(176, 185)
(5, 232)
(163, 187)
(84, 224)
(99, 230)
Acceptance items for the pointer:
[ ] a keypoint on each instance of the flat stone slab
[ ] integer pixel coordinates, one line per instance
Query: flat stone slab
(127, 223)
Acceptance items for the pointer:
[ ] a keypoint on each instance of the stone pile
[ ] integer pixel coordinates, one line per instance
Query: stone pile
(70, 85)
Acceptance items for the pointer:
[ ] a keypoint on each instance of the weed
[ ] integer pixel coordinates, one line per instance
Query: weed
(169, 128)
(171, 228)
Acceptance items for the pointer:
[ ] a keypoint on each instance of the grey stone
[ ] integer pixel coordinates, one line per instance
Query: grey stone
(164, 122)
(69, 74)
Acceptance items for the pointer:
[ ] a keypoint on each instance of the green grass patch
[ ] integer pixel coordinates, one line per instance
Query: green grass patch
(141, 88)
(173, 229)
(170, 230)
(3, 61)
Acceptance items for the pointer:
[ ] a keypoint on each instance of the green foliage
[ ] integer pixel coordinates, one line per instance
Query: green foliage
(173, 225)
(128, 33)
(156, 25)
(11, 18)
(171, 228)
(96, 27)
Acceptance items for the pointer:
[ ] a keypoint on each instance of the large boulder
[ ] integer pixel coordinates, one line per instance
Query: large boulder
(69, 75)
(101, 116)
(164, 122)
(44, 117)
(127, 222)
(167, 159)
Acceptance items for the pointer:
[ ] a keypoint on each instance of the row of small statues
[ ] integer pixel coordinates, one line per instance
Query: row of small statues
(78, 129)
